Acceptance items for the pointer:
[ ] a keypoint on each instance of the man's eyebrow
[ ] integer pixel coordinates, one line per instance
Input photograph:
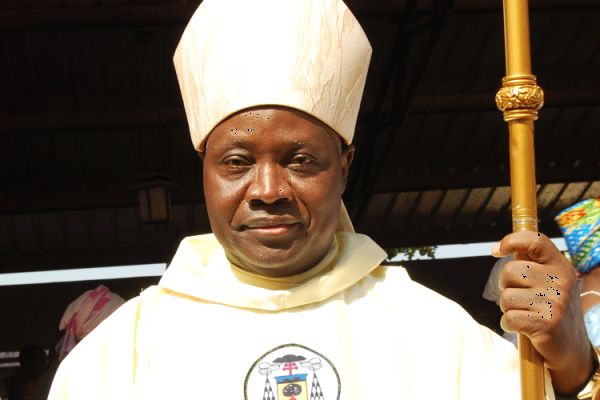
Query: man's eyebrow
(234, 142)
(249, 128)
(227, 143)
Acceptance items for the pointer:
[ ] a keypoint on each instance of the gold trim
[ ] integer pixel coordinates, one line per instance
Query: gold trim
(525, 218)
(520, 97)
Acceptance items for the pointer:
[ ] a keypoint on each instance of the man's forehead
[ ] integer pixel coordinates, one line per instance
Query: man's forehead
(278, 119)
(268, 112)
(291, 126)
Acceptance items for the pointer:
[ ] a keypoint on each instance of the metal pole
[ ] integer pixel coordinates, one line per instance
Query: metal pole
(520, 99)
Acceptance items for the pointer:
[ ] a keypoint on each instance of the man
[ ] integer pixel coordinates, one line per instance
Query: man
(283, 301)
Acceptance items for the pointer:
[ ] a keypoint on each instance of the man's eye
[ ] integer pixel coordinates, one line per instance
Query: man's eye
(301, 159)
(236, 162)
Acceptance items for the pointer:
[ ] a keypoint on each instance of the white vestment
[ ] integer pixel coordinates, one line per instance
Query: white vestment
(347, 329)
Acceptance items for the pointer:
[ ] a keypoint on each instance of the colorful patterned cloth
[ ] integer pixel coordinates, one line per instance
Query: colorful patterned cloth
(580, 225)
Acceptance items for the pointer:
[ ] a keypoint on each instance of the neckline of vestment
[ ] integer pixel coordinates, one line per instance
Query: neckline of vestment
(200, 269)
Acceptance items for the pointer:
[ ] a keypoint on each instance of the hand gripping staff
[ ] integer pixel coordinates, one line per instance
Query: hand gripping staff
(519, 99)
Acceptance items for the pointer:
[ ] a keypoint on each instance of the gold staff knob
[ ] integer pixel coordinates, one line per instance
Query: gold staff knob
(520, 97)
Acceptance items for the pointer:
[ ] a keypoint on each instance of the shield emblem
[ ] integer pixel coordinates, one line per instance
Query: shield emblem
(292, 372)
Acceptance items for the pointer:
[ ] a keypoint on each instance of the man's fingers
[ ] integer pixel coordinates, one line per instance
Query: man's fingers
(533, 246)
(524, 274)
(529, 322)
(514, 299)
(546, 300)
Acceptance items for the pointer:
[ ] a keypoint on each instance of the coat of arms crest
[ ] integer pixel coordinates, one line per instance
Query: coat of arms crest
(292, 372)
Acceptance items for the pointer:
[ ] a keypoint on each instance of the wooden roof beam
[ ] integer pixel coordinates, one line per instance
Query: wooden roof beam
(47, 202)
(485, 101)
(493, 5)
(93, 120)
(483, 178)
(413, 236)
(178, 14)
(175, 116)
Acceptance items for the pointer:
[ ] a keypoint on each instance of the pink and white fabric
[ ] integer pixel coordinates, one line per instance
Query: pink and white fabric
(84, 314)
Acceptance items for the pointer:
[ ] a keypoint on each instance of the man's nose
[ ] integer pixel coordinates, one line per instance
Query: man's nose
(269, 184)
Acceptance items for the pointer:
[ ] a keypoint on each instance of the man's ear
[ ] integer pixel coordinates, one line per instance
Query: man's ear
(346, 159)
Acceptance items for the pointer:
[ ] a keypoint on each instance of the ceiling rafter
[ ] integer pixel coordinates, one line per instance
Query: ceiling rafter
(86, 17)
(474, 179)
(102, 121)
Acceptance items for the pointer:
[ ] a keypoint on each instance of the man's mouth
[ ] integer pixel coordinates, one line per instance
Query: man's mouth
(270, 225)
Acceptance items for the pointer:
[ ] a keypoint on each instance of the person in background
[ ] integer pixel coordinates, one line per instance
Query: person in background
(23, 385)
(80, 317)
(83, 315)
(580, 225)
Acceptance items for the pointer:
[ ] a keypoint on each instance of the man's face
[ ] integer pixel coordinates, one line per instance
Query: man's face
(273, 180)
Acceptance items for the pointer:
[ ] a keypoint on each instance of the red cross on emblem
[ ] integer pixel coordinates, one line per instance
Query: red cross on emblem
(290, 366)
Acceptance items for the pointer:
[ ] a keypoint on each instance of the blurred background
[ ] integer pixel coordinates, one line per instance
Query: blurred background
(97, 168)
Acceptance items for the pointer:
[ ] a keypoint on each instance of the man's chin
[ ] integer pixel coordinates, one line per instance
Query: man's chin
(271, 262)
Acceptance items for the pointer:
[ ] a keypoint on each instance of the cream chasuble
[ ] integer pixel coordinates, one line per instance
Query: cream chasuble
(347, 329)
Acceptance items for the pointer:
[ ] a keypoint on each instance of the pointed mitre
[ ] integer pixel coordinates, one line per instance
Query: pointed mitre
(311, 55)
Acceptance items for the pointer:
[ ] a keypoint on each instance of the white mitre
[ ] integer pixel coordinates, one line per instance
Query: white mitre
(310, 55)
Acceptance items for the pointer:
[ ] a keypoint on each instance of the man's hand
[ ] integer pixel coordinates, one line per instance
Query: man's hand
(540, 299)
